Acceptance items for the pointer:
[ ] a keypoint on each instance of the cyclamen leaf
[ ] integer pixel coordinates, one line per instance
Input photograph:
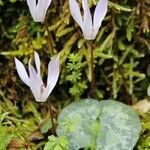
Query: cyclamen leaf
(102, 125)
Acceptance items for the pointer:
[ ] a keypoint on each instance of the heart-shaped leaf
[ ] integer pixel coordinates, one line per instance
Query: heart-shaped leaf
(102, 125)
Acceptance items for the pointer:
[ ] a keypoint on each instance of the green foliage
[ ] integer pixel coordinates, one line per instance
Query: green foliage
(103, 125)
(121, 59)
(118, 48)
(5, 138)
(46, 126)
(144, 141)
(74, 67)
(56, 143)
(119, 7)
(14, 125)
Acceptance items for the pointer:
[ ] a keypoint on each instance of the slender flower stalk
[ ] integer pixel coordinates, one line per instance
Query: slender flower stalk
(38, 9)
(89, 25)
(34, 80)
(49, 38)
(92, 70)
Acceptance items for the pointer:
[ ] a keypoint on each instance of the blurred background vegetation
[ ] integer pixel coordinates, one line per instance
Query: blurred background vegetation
(121, 58)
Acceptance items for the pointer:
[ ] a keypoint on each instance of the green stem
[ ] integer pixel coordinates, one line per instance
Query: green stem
(92, 69)
(52, 117)
(49, 37)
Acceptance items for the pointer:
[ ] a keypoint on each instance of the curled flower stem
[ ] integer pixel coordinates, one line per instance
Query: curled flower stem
(49, 37)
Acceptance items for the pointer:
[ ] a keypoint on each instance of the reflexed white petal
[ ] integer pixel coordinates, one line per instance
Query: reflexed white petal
(75, 12)
(40, 11)
(53, 71)
(42, 7)
(35, 84)
(99, 14)
(32, 6)
(87, 20)
(53, 74)
(22, 72)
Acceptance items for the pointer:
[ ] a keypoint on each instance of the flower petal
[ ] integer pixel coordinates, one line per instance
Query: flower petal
(99, 14)
(37, 64)
(53, 71)
(35, 85)
(41, 10)
(75, 12)
(22, 72)
(32, 6)
(53, 74)
(46, 93)
(87, 20)
(46, 4)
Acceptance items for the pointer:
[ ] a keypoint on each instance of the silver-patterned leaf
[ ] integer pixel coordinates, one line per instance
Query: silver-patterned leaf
(104, 125)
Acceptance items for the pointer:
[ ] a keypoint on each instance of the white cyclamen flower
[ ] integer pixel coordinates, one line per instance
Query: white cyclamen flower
(89, 25)
(34, 80)
(38, 9)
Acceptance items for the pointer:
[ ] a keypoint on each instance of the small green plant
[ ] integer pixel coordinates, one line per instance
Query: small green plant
(5, 138)
(56, 143)
(74, 67)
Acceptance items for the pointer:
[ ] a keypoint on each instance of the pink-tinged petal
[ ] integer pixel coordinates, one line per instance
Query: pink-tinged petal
(46, 93)
(32, 6)
(99, 14)
(22, 71)
(75, 12)
(87, 20)
(35, 85)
